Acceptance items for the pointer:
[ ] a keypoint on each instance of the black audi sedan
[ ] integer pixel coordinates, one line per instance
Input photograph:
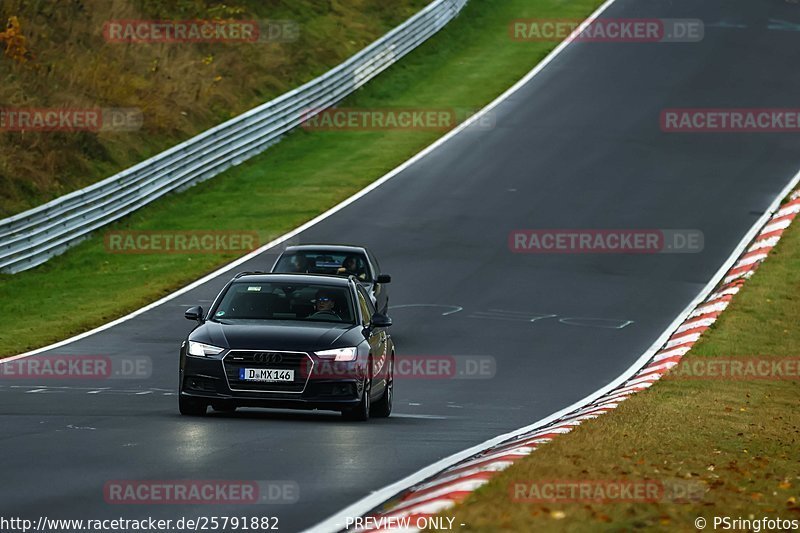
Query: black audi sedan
(297, 341)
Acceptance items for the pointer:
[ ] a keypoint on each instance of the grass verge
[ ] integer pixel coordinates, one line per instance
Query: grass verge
(737, 440)
(463, 67)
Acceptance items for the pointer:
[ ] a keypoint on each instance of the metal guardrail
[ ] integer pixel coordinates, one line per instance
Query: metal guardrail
(31, 238)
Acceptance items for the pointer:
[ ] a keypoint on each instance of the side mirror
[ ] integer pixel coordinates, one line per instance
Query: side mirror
(194, 313)
(384, 278)
(381, 321)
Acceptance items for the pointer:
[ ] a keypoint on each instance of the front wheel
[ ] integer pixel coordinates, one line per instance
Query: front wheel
(360, 412)
(383, 407)
(192, 406)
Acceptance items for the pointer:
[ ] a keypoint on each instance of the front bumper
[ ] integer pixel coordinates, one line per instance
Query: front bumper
(216, 380)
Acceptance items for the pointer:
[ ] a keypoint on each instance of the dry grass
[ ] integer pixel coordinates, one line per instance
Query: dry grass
(181, 88)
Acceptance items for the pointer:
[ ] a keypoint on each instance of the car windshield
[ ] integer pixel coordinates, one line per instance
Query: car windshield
(285, 301)
(323, 262)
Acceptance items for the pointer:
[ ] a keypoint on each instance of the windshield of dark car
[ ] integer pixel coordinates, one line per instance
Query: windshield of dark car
(285, 301)
(321, 262)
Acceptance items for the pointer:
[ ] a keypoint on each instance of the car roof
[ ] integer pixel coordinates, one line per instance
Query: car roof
(319, 279)
(347, 248)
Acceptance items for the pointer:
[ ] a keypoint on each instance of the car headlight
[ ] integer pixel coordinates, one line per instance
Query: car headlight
(339, 354)
(199, 349)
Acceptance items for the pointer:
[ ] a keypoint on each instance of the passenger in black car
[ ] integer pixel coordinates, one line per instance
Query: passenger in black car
(300, 263)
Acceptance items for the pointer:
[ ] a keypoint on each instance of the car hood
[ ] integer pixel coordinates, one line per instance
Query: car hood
(278, 335)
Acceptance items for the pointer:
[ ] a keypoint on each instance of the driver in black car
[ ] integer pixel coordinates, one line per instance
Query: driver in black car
(324, 307)
(350, 268)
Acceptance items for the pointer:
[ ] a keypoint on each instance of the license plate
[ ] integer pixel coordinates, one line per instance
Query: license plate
(265, 374)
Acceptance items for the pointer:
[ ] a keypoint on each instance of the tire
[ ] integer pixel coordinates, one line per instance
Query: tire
(383, 407)
(192, 406)
(360, 413)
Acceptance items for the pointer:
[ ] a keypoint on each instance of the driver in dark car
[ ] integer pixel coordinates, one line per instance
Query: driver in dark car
(324, 306)
(350, 267)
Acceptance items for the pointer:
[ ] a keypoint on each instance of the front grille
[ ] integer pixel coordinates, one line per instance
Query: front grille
(300, 362)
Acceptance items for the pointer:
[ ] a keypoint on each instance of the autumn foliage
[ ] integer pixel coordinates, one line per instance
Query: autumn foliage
(15, 42)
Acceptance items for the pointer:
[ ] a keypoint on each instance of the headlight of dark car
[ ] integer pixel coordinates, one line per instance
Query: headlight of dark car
(339, 354)
(198, 349)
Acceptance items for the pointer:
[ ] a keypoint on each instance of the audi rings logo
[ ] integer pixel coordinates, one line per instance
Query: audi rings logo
(267, 357)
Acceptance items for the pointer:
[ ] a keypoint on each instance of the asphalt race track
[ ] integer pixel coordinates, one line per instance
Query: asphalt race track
(580, 146)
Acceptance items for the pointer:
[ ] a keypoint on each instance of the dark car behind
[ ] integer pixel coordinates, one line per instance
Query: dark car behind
(331, 259)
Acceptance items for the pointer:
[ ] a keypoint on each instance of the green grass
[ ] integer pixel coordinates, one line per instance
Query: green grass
(466, 65)
(738, 440)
